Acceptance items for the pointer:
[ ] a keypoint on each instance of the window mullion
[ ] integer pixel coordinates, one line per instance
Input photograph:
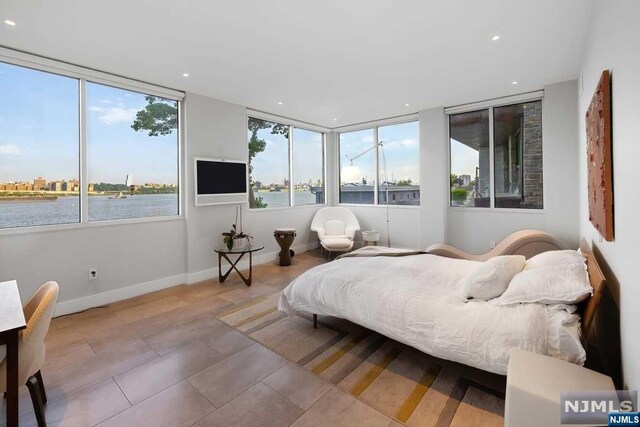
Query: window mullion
(376, 185)
(491, 162)
(291, 198)
(325, 189)
(84, 183)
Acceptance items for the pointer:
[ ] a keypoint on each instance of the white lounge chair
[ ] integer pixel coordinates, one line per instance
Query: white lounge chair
(336, 228)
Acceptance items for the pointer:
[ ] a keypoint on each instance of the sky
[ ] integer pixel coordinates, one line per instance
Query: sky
(39, 131)
(400, 147)
(464, 159)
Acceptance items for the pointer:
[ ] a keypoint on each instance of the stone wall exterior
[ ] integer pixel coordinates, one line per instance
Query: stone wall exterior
(532, 156)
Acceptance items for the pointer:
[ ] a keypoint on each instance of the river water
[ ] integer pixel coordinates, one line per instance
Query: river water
(66, 210)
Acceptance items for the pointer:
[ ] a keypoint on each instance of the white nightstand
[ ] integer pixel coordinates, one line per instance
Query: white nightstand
(370, 238)
(534, 385)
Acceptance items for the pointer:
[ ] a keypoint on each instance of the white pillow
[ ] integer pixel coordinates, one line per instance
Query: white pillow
(551, 258)
(557, 284)
(491, 278)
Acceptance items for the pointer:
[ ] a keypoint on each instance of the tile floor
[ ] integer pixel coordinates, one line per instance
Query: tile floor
(163, 359)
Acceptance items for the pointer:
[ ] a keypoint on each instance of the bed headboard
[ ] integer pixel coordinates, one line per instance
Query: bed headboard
(524, 242)
(596, 278)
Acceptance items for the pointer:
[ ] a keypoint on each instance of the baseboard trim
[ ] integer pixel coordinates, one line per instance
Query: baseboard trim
(212, 273)
(108, 297)
(90, 301)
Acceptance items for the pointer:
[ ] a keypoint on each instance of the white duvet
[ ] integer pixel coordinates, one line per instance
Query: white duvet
(416, 300)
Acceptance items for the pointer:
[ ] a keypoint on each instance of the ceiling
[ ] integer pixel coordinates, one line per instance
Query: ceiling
(348, 60)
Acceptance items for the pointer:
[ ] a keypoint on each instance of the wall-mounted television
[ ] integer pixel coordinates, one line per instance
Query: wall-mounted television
(219, 181)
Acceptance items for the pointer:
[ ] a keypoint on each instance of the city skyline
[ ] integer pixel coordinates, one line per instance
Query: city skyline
(47, 181)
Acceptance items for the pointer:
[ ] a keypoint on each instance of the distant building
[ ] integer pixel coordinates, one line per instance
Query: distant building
(71, 185)
(55, 186)
(39, 183)
(257, 184)
(129, 180)
(286, 182)
(24, 186)
(364, 194)
(91, 188)
(465, 180)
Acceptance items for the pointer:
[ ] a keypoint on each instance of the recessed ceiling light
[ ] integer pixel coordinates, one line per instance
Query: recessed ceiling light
(185, 74)
(279, 103)
(335, 120)
(494, 38)
(406, 105)
(9, 22)
(514, 83)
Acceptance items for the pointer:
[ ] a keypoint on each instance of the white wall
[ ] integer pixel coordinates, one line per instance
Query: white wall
(404, 224)
(124, 255)
(434, 173)
(473, 229)
(219, 130)
(613, 43)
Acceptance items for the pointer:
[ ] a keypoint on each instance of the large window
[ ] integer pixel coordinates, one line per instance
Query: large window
(130, 141)
(512, 152)
(380, 164)
(517, 155)
(308, 167)
(357, 167)
(399, 160)
(132, 162)
(470, 173)
(39, 156)
(286, 165)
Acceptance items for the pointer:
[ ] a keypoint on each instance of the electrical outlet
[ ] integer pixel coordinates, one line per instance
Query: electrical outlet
(93, 274)
(492, 244)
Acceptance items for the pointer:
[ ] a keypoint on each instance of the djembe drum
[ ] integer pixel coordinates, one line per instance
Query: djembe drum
(285, 238)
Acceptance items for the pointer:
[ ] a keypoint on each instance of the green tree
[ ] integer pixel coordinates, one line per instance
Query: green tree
(452, 179)
(404, 182)
(257, 145)
(159, 117)
(459, 194)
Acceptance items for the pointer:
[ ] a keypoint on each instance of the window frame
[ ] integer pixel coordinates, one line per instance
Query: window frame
(489, 105)
(292, 124)
(409, 118)
(84, 75)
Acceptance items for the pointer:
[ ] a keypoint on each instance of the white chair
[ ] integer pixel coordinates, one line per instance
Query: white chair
(336, 228)
(31, 351)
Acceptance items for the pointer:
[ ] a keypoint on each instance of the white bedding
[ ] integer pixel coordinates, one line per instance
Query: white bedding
(416, 300)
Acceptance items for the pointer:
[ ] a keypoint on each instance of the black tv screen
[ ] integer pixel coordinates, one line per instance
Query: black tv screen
(218, 177)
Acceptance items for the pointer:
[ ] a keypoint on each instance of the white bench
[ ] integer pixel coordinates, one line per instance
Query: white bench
(534, 384)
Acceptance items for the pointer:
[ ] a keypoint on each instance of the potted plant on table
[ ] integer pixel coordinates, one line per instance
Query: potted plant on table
(235, 238)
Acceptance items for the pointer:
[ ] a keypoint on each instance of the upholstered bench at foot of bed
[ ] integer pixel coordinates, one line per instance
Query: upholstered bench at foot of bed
(534, 385)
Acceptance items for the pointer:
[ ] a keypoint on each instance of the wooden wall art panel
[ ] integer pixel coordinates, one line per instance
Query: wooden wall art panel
(599, 158)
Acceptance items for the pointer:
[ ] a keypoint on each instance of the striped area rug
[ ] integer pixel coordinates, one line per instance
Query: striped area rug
(404, 383)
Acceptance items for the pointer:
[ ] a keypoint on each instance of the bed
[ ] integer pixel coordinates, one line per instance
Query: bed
(414, 299)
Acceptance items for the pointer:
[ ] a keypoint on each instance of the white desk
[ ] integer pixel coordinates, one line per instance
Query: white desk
(11, 323)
